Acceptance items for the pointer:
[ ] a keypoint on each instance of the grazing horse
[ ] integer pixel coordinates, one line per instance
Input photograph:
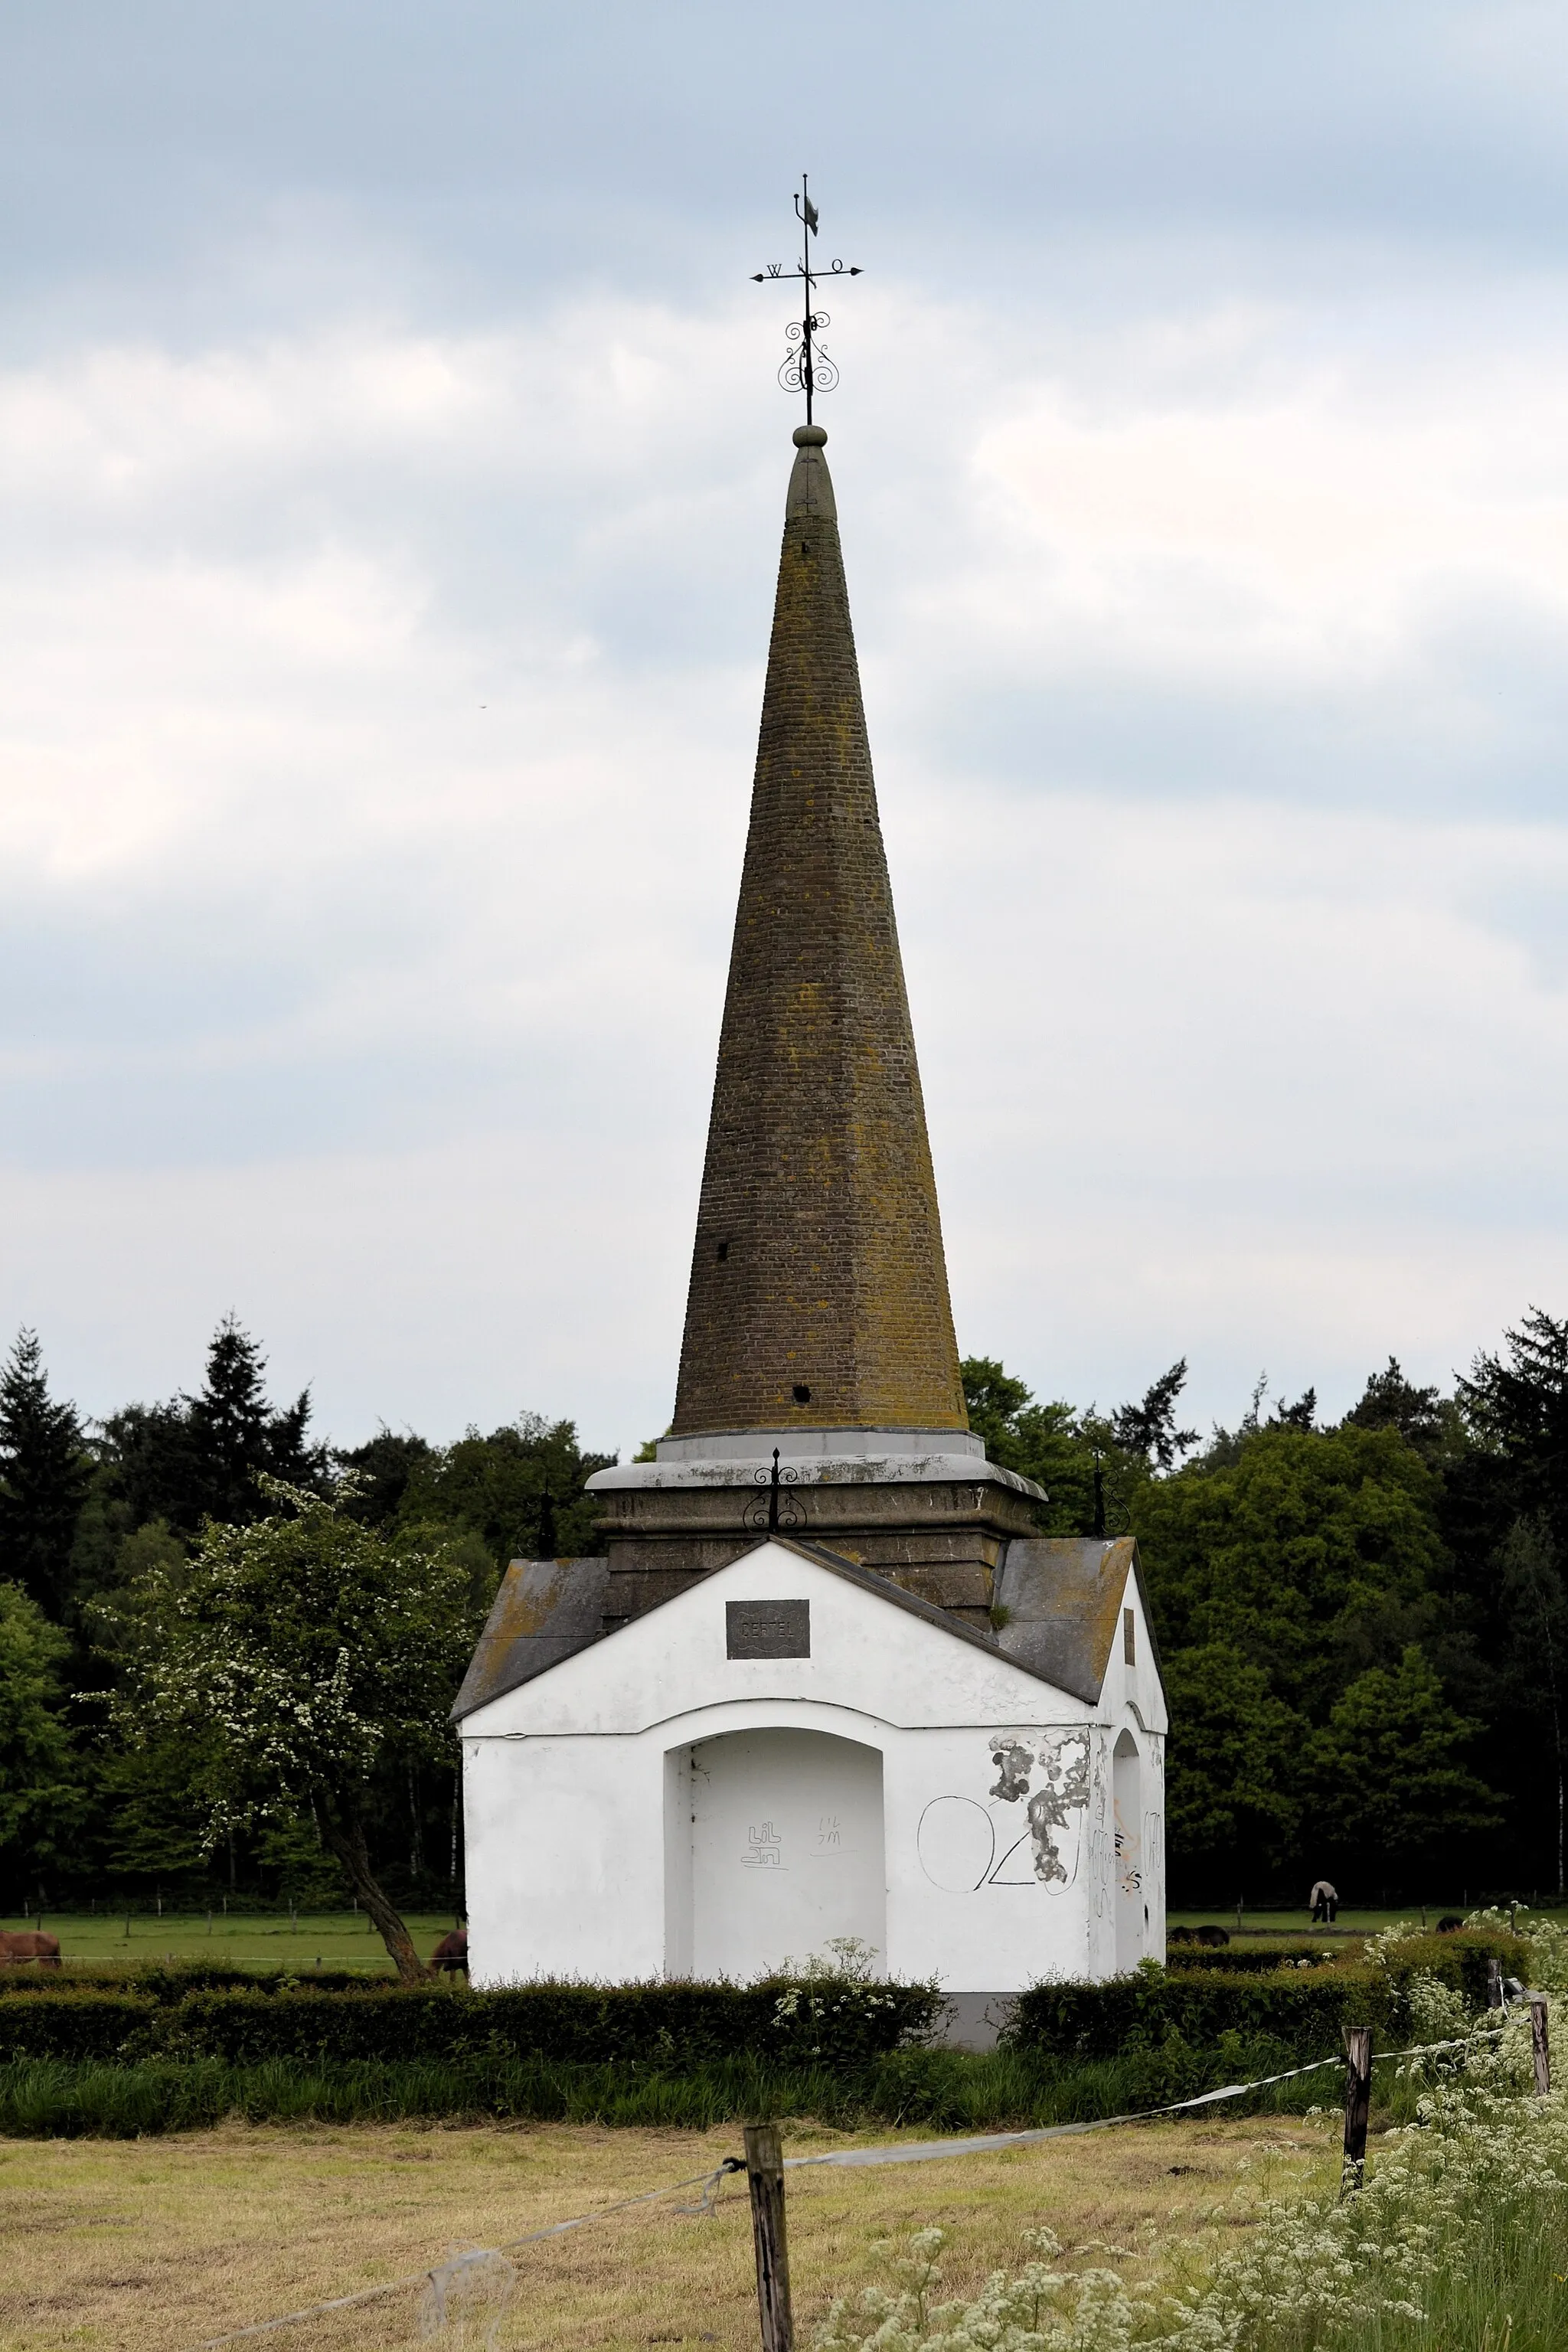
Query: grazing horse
(451, 1953)
(19, 1944)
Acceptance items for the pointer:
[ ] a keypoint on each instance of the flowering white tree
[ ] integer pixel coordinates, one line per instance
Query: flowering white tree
(300, 1658)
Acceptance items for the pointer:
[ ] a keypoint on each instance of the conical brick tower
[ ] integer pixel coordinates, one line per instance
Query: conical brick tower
(817, 1321)
(818, 1295)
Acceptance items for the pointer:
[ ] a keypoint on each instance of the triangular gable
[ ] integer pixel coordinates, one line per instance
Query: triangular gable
(548, 1610)
(863, 1646)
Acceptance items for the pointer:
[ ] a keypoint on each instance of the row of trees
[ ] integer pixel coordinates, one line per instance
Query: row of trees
(227, 1651)
(1364, 1625)
(133, 1552)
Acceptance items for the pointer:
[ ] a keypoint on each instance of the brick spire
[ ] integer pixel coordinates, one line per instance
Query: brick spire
(818, 1295)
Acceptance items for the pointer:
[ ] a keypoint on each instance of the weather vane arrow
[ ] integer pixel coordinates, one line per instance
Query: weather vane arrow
(807, 366)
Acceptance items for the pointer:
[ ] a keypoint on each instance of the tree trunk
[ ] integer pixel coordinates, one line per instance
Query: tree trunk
(344, 1833)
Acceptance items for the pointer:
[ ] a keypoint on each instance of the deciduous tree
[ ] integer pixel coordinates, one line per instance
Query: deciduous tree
(307, 1658)
(1387, 1772)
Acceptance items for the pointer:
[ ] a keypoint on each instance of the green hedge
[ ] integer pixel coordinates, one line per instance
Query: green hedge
(211, 2012)
(827, 2022)
(1459, 1960)
(1248, 1961)
(1307, 2008)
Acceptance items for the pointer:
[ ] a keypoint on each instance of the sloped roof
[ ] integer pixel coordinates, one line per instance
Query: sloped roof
(546, 1609)
(1062, 1598)
(1062, 1594)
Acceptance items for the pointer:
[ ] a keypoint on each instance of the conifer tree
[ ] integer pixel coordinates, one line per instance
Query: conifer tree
(234, 1432)
(45, 1472)
(198, 1457)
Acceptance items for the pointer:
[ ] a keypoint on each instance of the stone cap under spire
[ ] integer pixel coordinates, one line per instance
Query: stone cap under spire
(810, 489)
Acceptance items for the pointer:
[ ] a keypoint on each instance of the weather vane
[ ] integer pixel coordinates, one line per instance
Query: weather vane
(806, 367)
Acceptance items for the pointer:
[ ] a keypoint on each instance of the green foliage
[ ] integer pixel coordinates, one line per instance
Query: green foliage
(1231, 1762)
(299, 1660)
(1042, 1442)
(1516, 1401)
(1455, 2236)
(40, 1778)
(1301, 1554)
(1303, 2009)
(1299, 1579)
(1430, 1423)
(520, 1490)
(200, 1457)
(45, 1474)
(842, 2023)
(298, 1654)
(940, 2090)
(156, 1825)
(1384, 1773)
(380, 1471)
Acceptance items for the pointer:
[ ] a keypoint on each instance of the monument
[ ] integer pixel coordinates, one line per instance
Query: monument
(819, 1444)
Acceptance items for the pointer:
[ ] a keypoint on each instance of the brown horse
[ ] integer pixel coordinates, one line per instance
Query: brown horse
(451, 1953)
(20, 1945)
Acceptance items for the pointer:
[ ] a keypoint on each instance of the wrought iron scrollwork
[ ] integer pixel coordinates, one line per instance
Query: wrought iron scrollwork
(778, 1510)
(806, 366)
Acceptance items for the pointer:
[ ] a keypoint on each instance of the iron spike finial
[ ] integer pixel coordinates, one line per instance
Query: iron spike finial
(807, 366)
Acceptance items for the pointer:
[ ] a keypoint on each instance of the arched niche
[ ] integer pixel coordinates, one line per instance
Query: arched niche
(774, 1847)
(1127, 1800)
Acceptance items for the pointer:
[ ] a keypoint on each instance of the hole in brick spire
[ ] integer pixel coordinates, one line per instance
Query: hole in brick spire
(801, 1393)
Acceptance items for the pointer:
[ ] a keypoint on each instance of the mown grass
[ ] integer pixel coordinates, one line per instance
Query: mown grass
(939, 2090)
(245, 1940)
(153, 2246)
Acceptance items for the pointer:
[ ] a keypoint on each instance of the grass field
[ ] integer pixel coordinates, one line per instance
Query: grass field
(332, 1939)
(155, 2246)
(341, 1939)
(1269, 1924)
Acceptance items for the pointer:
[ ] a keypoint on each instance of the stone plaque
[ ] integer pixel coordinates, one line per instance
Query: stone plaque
(767, 1629)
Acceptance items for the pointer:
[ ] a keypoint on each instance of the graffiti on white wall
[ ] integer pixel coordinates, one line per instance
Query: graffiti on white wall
(1099, 1829)
(965, 1844)
(1129, 1854)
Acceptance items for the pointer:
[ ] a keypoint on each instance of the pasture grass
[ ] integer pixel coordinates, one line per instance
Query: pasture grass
(262, 1940)
(154, 2245)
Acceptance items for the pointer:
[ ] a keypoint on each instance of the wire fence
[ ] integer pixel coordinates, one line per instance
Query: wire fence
(465, 2300)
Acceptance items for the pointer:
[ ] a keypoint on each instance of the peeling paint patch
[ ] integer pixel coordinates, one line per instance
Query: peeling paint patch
(1014, 1764)
(1062, 1761)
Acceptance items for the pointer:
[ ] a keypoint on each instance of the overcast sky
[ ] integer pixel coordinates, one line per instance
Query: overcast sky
(391, 471)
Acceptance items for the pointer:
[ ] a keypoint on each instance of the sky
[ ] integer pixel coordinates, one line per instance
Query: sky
(392, 463)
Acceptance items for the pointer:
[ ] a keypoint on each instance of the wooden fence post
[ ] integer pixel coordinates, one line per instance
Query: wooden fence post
(1494, 1982)
(764, 2178)
(1358, 2100)
(1539, 2046)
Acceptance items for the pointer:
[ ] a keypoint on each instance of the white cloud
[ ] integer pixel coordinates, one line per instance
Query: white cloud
(374, 753)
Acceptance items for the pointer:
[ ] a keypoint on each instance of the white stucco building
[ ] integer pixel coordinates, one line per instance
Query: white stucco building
(794, 1749)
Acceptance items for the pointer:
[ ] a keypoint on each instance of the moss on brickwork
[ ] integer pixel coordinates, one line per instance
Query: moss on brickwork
(819, 1264)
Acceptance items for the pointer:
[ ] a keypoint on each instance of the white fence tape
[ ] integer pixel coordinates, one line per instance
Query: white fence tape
(928, 2151)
